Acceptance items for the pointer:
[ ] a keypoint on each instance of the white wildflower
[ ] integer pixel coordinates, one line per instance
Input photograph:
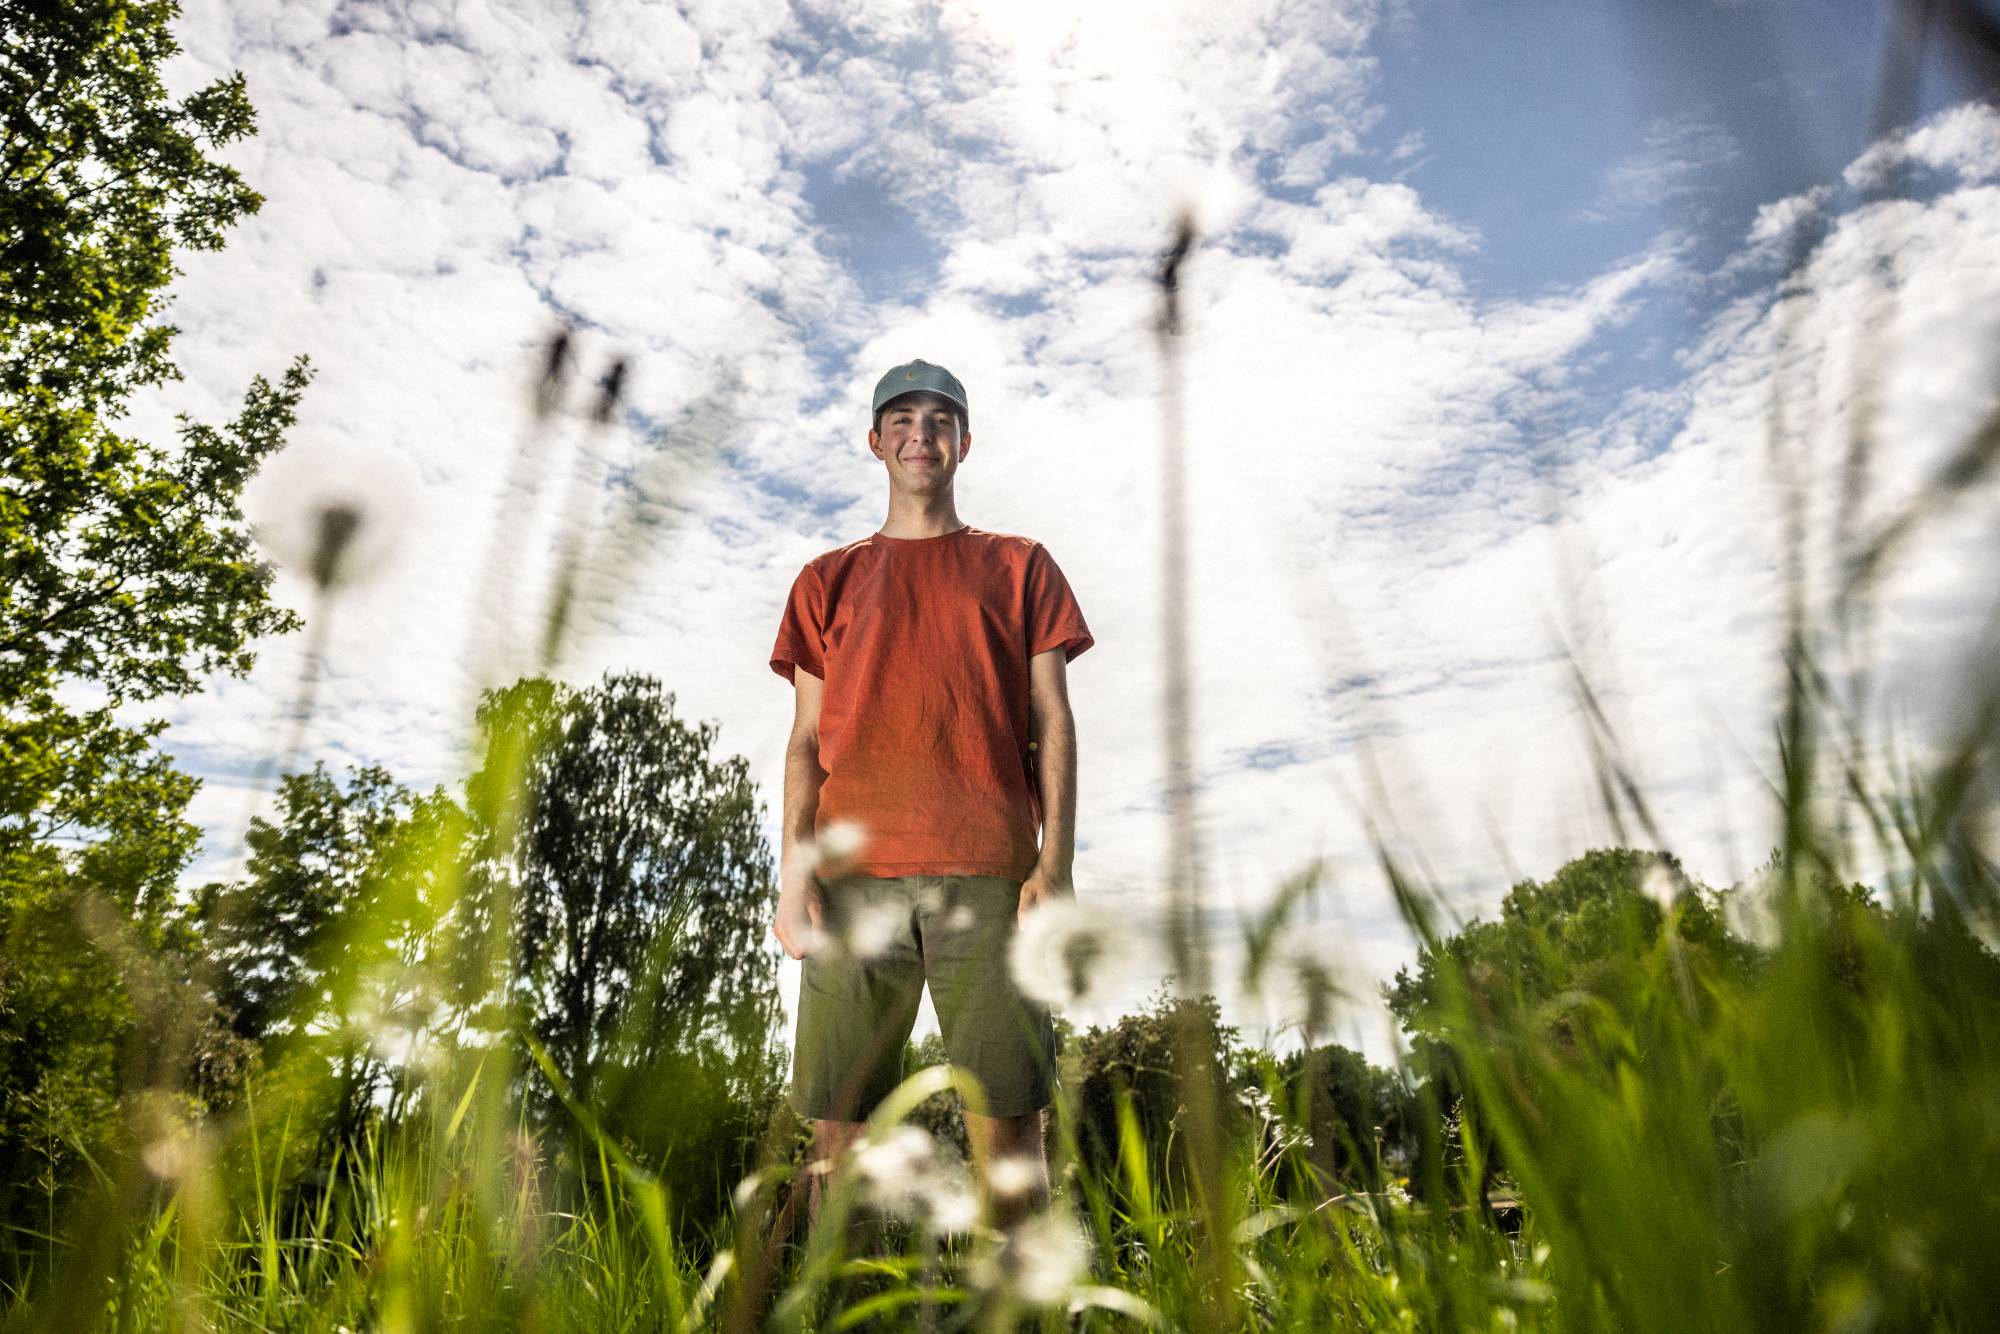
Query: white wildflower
(333, 512)
(948, 1201)
(872, 928)
(1075, 956)
(839, 843)
(1014, 1175)
(903, 1173)
(1040, 1261)
(895, 1159)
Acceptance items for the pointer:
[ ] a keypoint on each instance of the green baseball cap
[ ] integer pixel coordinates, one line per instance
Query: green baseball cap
(920, 377)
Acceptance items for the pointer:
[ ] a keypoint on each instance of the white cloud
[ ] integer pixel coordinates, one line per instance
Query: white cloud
(1673, 162)
(1776, 220)
(1963, 140)
(1386, 537)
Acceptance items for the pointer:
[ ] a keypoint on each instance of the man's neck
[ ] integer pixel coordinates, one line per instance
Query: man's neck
(914, 516)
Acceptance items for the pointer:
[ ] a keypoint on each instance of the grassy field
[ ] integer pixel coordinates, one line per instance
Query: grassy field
(1631, 1101)
(1663, 1107)
(1794, 1123)
(1772, 1107)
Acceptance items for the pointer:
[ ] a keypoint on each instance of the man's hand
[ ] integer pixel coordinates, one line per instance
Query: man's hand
(799, 903)
(1054, 748)
(800, 908)
(1039, 888)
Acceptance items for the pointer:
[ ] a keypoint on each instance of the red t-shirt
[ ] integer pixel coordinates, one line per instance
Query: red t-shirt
(923, 644)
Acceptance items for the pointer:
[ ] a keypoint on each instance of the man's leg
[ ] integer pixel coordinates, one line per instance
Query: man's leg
(995, 1033)
(855, 1014)
(831, 1142)
(1014, 1144)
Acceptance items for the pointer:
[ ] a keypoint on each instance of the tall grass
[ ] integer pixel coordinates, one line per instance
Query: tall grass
(1802, 1130)
(1797, 1129)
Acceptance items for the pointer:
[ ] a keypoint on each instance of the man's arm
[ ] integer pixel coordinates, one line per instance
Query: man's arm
(1054, 738)
(799, 906)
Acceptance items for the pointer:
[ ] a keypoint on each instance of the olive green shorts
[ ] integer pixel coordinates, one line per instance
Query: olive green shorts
(859, 990)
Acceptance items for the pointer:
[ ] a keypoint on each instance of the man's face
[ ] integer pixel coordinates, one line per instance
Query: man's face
(921, 442)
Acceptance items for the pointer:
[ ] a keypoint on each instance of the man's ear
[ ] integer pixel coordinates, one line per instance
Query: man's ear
(964, 443)
(875, 443)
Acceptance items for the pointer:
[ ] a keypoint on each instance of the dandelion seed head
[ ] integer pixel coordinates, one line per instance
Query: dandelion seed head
(610, 392)
(1074, 955)
(1039, 1261)
(1751, 910)
(1304, 981)
(1013, 1176)
(335, 513)
(949, 1203)
(338, 523)
(555, 372)
(903, 1173)
(895, 1159)
(872, 929)
(838, 844)
(170, 1157)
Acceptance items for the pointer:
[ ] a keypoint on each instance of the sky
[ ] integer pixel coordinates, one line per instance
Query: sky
(1506, 328)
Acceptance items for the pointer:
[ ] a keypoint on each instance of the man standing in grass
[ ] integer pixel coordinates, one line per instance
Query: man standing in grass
(931, 741)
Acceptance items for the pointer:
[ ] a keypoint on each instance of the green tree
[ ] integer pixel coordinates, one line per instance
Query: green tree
(278, 937)
(1589, 938)
(323, 950)
(639, 888)
(1357, 1114)
(642, 881)
(126, 571)
(1133, 1062)
(1585, 930)
(65, 1018)
(125, 566)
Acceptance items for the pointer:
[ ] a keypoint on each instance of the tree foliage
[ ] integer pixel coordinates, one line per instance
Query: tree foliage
(640, 881)
(1132, 1062)
(322, 950)
(126, 571)
(1358, 1116)
(125, 566)
(1587, 930)
(278, 936)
